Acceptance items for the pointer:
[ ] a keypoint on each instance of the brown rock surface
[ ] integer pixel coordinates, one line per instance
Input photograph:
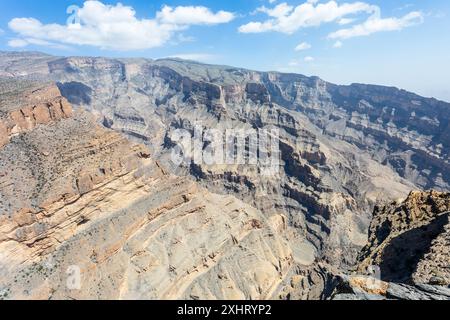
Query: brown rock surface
(78, 193)
(409, 240)
(75, 197)
(26, 104)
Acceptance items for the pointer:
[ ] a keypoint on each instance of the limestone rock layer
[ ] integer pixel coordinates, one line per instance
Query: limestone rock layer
(88, 186)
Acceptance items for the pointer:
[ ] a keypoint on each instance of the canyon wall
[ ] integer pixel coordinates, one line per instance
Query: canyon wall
(96, 187)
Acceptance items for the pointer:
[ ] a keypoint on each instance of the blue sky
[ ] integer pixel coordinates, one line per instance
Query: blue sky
(405, 43)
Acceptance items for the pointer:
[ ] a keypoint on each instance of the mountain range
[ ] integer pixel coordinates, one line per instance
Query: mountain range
(89, 191)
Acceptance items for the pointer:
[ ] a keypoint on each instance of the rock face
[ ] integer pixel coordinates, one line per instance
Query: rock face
(24, 64)
(78, 197)
(111, 202)
(367, 288)
(325, 186)
(38, 105)
(409, 243)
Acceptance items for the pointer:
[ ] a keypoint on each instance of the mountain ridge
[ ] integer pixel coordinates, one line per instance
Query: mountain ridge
(395, 88)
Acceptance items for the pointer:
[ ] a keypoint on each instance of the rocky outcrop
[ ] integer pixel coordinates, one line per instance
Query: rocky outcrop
(27, 104)
(87, 214)
(409, 240)
(407, 253)
(369, 288)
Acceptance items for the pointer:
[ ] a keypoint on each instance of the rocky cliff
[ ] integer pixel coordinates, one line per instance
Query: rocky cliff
(325, 185)
(409, 245)
(76, 197)
(343, 150)
(409, 241)
(38, 105)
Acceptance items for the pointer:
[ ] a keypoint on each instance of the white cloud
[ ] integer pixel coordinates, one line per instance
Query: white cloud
(21, 43)
(404, 7)
(338, 44)
(303, 46)
(309, 59)
(192, 16)
(376, 24)
(345, 21)
(278, 11)
(182, 38)
(2, 31)
(116, 27)
(202, 57)
(18, 43)
(288, 19)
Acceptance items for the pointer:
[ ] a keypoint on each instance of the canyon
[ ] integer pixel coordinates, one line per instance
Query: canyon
(87, 183)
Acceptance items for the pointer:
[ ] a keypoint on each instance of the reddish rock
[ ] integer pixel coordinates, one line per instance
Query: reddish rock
(66, 108)
(42, 114)
(3, 134)
(24, 217)
(18, 119)
(85, 184)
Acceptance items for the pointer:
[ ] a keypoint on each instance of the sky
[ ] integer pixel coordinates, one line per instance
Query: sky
(403, 43)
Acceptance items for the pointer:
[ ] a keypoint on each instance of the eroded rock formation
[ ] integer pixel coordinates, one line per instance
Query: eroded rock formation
(409, 241)
(76, 196)
(97, 189)
(409, 245)
(38, 105)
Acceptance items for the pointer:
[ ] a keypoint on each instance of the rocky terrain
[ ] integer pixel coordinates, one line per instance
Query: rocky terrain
(409, 242)
(315, 187)
(38, 105)
(412, 236)
(76, 195)
(96, 187)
